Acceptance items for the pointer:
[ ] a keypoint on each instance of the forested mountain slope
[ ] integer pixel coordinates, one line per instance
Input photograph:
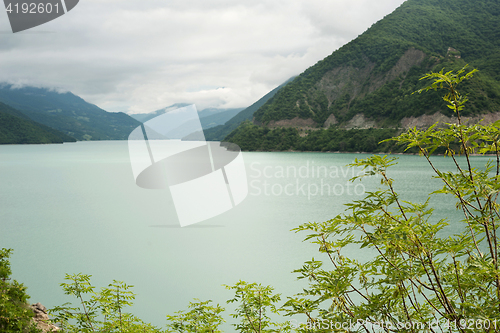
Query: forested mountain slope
(369, 82)
(68, 113)
(17, 128)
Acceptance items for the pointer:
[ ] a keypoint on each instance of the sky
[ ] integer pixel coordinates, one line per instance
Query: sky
(138, 56)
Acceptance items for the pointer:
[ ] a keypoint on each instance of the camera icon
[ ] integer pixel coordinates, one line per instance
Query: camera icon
(205, 179)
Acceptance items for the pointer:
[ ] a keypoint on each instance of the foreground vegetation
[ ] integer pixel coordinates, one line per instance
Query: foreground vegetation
(414, 277)
(15, 314)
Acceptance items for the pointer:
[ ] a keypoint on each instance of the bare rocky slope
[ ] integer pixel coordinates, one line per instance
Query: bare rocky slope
(41, 319)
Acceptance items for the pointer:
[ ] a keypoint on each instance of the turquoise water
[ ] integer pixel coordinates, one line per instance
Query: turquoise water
(75, 208)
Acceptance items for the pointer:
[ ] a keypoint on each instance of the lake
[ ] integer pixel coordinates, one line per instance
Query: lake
(75, 208)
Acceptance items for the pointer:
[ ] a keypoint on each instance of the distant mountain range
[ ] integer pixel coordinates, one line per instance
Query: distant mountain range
(220, 132)
(39, 115)
(67, 113)
(219, 118)
(143, 117)
(209, 117)
(368, 83)
(217, 123)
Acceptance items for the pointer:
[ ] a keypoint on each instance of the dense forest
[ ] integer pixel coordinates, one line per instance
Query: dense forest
(251, 137)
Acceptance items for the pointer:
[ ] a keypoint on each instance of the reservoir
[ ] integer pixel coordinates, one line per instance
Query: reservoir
(75, 208)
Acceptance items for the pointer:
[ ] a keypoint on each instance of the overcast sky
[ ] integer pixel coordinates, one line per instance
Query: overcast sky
(138, 56)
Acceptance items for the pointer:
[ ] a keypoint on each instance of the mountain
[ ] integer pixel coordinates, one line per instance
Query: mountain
(143, 117)
(369, 81)
(68, 113)
(17, 128)
(219, 118)
(213, 111)
(218, 133)
(209, 117)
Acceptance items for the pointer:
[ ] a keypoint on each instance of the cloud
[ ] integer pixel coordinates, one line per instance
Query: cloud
(139, 56)
(346, 19)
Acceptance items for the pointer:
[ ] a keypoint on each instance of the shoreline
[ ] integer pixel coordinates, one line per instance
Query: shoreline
(356, 152)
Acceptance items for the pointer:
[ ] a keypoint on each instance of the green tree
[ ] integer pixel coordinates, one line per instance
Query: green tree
(15, 313)
(98, 311)
(414, 278)
(201, 317)
(255, 303)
